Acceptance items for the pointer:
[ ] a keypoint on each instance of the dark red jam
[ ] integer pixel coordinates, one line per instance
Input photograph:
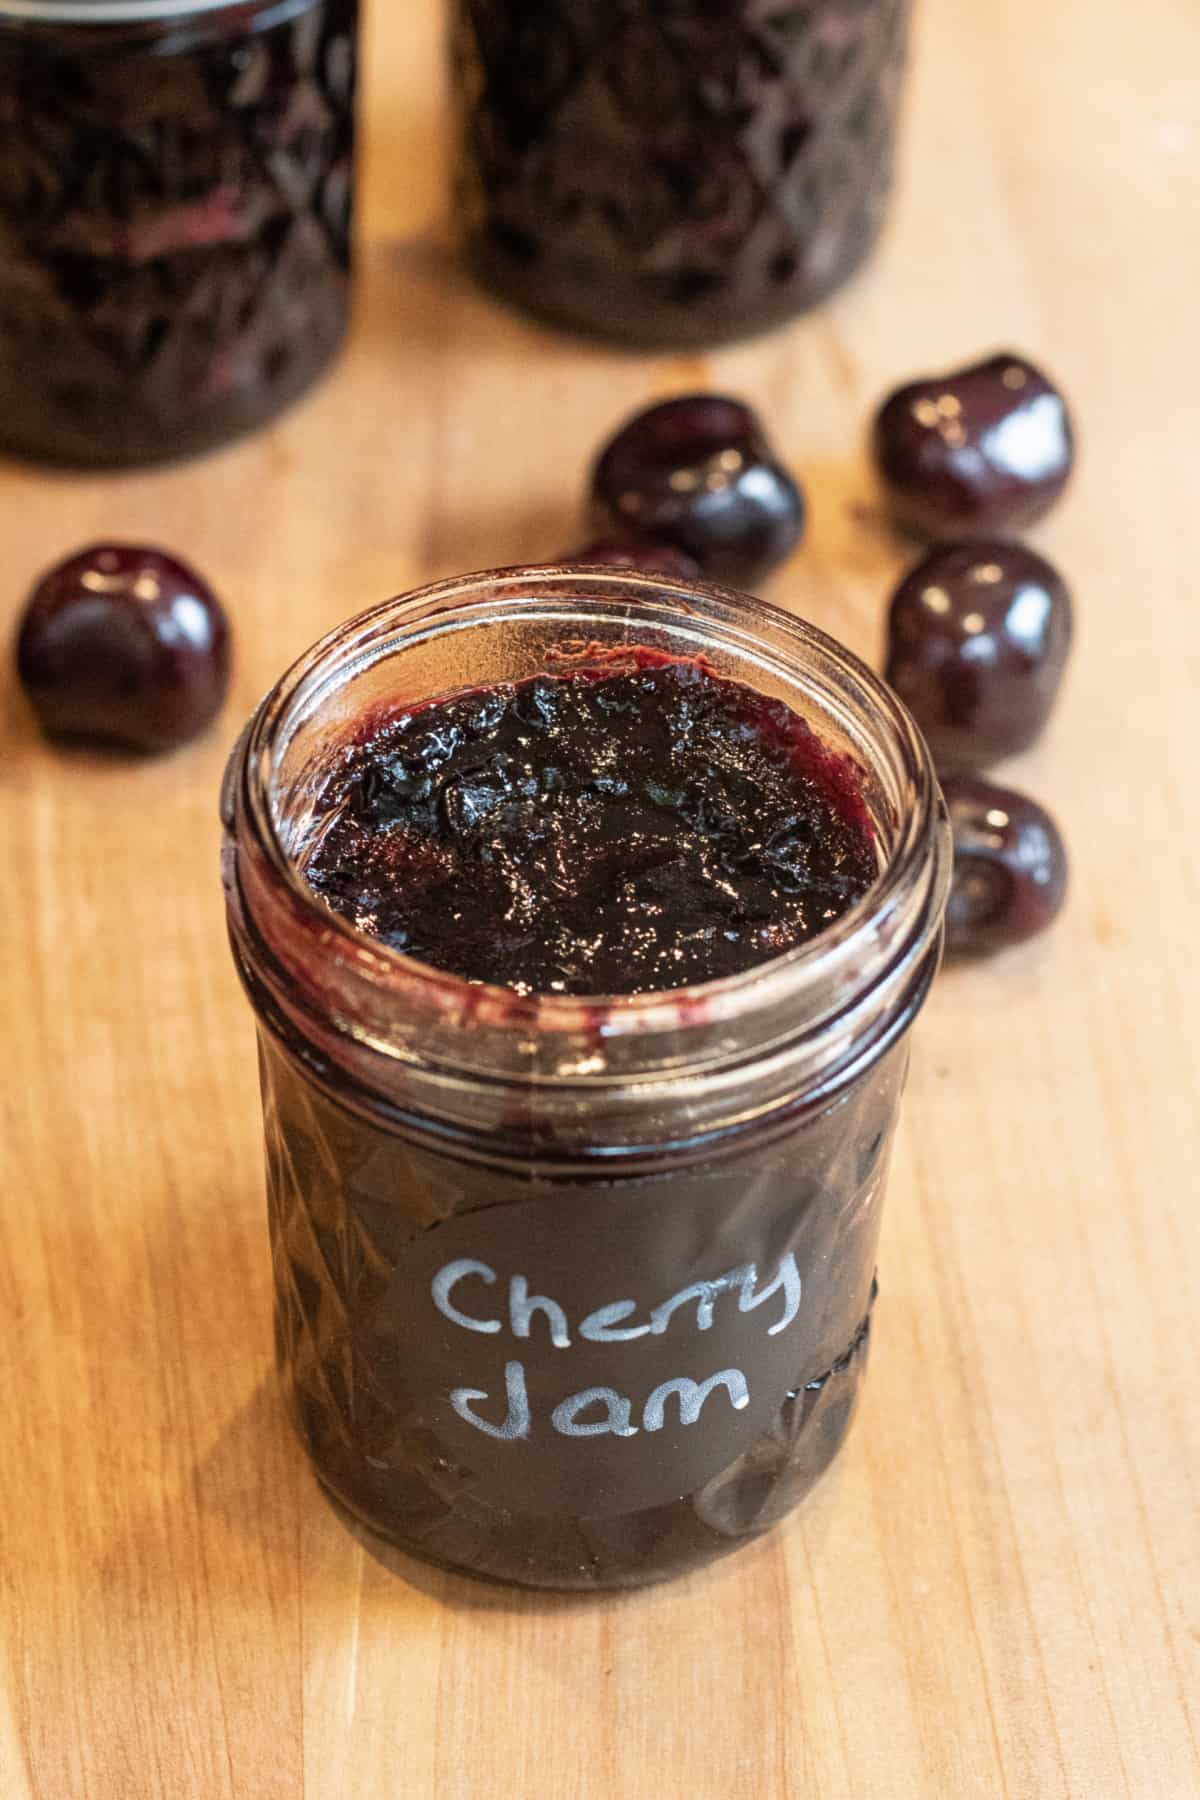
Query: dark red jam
(175, 201)
(675, 173)
(448, 1437)
(625, 831)
(564, 1331)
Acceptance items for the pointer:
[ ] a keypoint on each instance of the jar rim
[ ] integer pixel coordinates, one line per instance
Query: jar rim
(114, 12)
(891, 927)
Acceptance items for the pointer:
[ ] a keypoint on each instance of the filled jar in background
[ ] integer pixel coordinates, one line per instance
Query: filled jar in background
(176, 186)
(674, 173)
(573, 1291)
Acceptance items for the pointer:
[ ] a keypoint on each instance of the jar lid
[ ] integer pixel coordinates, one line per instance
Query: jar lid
(105, 12)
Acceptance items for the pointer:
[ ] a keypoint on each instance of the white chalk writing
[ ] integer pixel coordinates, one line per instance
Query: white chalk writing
(606, 1411)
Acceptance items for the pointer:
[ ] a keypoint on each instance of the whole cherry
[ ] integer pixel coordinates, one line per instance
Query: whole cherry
(646, 554)
(985, 448)
(1010, 867)
(126, 645)
(978, 636)
(700, 472)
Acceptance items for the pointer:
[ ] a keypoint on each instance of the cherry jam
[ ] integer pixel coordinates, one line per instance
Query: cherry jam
(583, 995)
(675, 174)
(603, 833)
(175, 200)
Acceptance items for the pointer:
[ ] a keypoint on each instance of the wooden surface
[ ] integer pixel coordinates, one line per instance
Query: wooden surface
(997, 1591)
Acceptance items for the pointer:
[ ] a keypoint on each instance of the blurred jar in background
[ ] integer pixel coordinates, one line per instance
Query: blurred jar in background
(675, 171)
(175, 210)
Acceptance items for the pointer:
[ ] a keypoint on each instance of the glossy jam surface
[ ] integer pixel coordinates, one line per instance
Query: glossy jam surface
(989, 447)
(175, 207)
(616, 830)
(675, 174)
(978, 637)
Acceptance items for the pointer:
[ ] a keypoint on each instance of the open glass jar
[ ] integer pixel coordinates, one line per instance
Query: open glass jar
(175, 211)
(675, 173)
(573, 1292)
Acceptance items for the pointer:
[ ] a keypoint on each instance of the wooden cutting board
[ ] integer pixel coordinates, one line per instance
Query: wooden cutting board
(997, 1591)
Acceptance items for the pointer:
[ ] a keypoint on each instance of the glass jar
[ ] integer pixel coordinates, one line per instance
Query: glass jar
(675, 173)
(573, 1292)
(175, 204)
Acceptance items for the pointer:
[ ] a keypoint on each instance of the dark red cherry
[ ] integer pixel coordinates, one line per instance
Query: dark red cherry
(1010, 867)
(986, 448)
(652, 557)
(126, 645)
(701, 473)
(978, 635)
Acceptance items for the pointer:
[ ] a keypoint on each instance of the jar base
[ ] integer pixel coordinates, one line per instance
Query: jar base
(589, 309)
(568, 1555)
(32, 433)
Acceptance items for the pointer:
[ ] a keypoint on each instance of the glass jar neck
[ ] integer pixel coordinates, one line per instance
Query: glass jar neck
(134, 12)
(387, 1031)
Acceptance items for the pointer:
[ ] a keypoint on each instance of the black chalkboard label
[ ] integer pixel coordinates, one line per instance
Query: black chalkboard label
(600, 1348)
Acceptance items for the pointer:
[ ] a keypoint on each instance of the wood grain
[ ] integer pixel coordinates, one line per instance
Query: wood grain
(997, 1592)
